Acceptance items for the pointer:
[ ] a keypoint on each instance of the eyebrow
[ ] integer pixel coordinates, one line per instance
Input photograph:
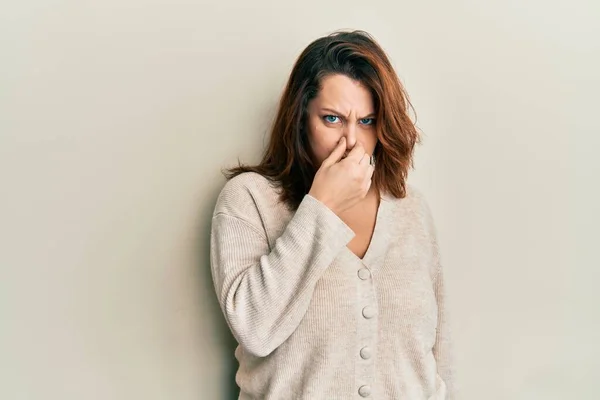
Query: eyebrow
(331, 110)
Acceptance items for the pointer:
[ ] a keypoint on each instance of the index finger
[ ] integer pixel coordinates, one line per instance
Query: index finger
(357, 152)
(336, 154)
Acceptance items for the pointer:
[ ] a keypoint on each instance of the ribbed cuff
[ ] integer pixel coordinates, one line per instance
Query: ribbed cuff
(320, 221)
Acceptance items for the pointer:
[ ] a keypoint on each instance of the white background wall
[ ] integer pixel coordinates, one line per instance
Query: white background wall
(116, 117)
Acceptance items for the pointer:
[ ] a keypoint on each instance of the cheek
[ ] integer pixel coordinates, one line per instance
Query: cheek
(369, 139)
(323, 140)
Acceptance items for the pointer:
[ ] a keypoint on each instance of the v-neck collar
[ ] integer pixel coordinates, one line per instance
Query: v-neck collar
(378, 243)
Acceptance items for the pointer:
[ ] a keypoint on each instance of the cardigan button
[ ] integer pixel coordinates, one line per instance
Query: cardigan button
(364, 274)
(365, 353)
(368, 312)
(364, 391)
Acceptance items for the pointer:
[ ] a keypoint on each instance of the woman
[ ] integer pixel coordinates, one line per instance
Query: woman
(324, 260)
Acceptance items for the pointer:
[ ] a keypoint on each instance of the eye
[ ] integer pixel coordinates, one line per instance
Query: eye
(367, 121)
(332, 119)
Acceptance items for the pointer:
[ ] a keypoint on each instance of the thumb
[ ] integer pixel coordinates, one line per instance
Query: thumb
(336, 154)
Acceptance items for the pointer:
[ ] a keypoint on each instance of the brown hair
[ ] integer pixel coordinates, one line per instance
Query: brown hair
(287, 160)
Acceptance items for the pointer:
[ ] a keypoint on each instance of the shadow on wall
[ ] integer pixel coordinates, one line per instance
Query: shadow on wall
(218, 327)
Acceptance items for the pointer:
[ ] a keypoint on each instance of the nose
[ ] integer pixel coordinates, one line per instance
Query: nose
(350, 134)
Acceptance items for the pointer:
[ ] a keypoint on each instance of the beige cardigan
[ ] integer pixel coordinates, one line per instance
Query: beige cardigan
(313, 320)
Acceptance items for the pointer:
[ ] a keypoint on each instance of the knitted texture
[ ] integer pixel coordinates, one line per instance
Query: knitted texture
(313, 320)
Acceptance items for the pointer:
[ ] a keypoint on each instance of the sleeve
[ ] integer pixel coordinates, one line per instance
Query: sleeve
(264, 293)
(442, 349)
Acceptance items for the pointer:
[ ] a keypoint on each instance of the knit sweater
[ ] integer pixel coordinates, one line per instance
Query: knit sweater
(312, 319)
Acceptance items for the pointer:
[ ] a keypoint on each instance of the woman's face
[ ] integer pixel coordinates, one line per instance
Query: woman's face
(343, 107)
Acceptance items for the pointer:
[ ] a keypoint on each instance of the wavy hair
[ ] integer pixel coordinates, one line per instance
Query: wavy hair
(287, 160)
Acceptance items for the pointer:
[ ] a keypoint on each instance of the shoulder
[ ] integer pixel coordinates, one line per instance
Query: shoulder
(414, 209)
(243, 194)
(414, 200)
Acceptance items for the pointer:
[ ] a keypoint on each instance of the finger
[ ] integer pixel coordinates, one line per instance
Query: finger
(365, 160)
(370, 172)
(368, 186)
(356, 153)
(369, 169)
(337, 153)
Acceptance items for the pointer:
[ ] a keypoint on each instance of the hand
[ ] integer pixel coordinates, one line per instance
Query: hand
(340, 184)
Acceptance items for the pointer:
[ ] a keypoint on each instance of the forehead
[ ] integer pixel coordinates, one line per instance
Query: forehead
(344, 94)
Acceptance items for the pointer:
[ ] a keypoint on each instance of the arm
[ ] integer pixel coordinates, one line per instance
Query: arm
(264, 293)
(442, 349)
